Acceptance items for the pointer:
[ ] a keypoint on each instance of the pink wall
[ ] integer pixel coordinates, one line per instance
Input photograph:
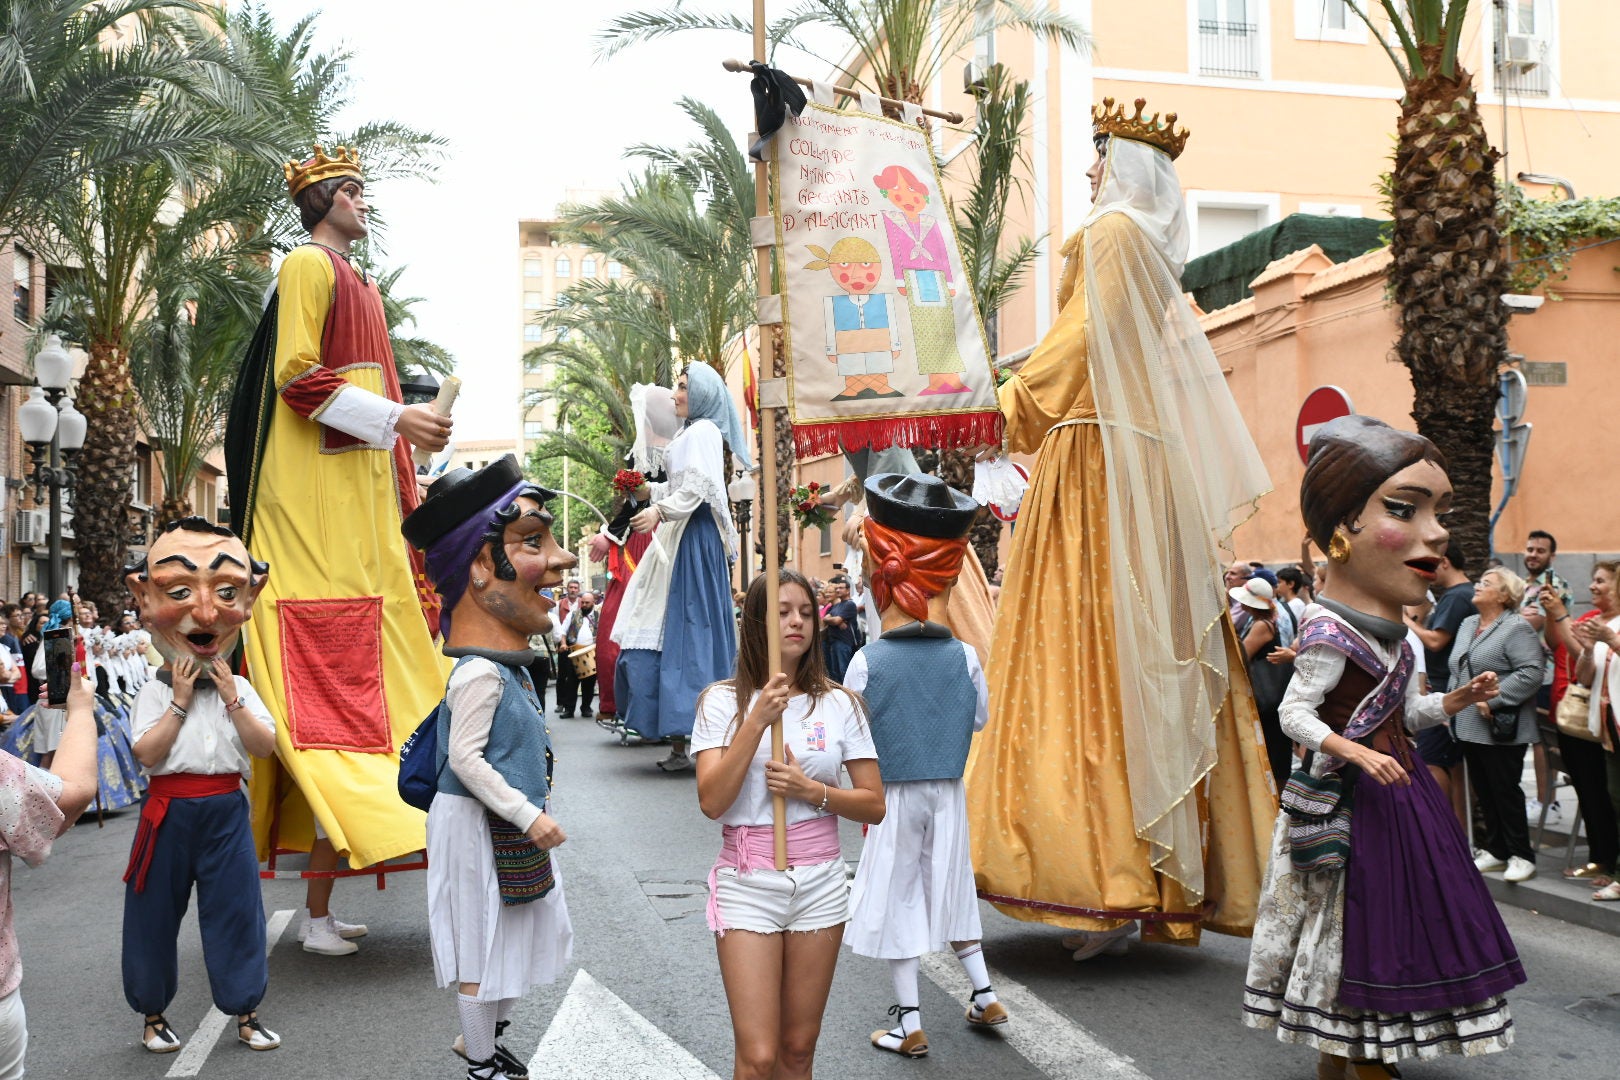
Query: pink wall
(1312, 323)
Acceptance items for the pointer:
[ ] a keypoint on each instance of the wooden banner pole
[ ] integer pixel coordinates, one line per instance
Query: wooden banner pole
(770, 361)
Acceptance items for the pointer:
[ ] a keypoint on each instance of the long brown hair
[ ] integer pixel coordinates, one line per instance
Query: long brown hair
(753, 662)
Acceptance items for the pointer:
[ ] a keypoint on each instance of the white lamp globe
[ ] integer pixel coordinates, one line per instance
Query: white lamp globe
(71, 427)
(53, 367)
(36, 418)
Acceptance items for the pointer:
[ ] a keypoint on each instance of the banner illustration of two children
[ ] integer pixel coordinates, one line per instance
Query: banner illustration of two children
(884, 341)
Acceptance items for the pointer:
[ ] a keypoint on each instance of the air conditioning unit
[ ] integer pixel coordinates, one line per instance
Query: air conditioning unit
(1524, 51)
(28, 527)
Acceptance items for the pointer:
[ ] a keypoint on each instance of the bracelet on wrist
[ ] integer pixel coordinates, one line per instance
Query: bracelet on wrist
(177, 710)
(824, 795)
(232, 706)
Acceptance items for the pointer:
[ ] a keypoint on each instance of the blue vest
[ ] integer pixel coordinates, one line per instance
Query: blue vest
(519, 746)
(922, 705)
(871, 315)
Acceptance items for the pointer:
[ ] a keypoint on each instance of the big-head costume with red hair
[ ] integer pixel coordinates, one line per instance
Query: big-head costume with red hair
(916, 534)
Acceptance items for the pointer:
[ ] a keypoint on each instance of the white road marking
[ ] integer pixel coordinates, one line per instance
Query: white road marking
(596, 1036)
(195, 1053)
(1048, 1040)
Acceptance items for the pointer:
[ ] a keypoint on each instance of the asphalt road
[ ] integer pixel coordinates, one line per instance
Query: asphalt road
(650, 1006)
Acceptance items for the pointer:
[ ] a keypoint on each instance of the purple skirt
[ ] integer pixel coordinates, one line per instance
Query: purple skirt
(1420, 930)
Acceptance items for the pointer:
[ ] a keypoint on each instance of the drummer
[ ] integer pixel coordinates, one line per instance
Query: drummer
(576, 659)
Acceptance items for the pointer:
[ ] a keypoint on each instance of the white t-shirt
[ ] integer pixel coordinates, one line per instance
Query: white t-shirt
(208, 741)
(821, 739)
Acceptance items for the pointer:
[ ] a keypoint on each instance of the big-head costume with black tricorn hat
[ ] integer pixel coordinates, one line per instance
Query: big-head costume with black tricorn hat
(343, 647)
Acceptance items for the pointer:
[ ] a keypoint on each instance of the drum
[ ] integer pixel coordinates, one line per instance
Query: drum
(584, 661)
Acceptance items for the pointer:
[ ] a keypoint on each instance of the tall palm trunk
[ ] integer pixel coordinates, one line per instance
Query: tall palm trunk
(106, 396)
(1448, 275)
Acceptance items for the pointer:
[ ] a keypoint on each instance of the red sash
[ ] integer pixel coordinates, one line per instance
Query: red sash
(156, 808)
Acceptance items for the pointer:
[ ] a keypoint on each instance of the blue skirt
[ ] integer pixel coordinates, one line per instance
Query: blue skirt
(120, 780)
(657, 691)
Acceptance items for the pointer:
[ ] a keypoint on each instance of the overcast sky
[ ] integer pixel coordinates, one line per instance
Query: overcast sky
(529, 113)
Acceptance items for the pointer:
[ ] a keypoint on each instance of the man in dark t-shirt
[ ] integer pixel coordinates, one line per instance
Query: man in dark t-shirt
(1454, 602)
(1438, 632)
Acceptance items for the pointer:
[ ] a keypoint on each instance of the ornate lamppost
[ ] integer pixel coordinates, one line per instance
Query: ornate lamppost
(742, 491)
(53, 430)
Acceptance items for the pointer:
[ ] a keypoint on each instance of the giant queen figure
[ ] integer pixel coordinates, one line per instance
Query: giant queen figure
(1120, 779)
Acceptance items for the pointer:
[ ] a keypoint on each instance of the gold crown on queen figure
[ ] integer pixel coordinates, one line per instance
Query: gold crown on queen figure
(301, 174)
(1110, 119)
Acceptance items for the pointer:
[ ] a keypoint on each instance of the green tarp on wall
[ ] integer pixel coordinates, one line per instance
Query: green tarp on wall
(1222, 277)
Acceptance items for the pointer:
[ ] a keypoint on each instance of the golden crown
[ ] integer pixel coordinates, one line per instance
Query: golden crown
(1110, 119)
(301, 174)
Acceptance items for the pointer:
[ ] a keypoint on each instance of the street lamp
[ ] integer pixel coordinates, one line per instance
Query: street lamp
(49, 424)
(741, 491)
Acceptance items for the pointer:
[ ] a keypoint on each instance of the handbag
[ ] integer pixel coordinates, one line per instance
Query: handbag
(418, 774)
(1574, 713)
(1318, 809)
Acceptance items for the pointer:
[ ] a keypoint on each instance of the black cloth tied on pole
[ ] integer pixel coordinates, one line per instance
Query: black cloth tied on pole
(775, 93)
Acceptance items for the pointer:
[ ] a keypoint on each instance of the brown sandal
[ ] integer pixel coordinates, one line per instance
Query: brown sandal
(914, 1045)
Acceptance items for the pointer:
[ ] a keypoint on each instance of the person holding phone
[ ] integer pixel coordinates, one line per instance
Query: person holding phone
(49, 718)
(37, 806)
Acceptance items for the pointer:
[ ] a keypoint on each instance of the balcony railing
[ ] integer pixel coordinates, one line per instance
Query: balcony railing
(1535, 82)
(1228, 49)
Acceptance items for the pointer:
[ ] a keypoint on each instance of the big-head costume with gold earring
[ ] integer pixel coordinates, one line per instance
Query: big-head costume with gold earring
(1120, 777)
(343, 649)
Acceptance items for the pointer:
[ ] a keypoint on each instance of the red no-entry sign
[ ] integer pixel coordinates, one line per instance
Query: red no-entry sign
(1323, 404)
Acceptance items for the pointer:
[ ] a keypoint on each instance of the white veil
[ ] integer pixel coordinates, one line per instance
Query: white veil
(653, 408)
(1183, 473)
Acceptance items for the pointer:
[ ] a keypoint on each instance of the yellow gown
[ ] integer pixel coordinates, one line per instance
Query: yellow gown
(326, 517)
(1048, 793)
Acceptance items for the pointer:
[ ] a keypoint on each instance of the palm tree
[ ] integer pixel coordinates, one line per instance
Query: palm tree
(184, 356)
(218, 197)
(901, 47)
(75, 79)
(981, 221)
(999, 127)
(1448, 272)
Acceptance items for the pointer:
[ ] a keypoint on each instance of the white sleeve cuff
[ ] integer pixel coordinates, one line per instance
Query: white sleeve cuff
(526, 816)
(367, 416)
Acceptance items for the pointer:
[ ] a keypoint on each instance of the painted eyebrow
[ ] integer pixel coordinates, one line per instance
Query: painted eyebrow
(181, 559)
(542, 515)
(225, 557)
(1414, 489)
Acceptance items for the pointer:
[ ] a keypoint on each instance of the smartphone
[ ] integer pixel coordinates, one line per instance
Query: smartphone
(59, 660)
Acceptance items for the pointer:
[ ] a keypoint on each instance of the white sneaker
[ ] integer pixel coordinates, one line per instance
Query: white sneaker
(1103, 943)
(1532, 808)
(346, 931)
(1487, 863)
(323, 938)
(1519, 870)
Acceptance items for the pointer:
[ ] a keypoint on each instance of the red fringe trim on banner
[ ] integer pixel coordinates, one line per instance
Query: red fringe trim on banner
(946, 431)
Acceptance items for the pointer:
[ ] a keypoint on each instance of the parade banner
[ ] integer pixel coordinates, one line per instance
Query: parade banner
(883, 338)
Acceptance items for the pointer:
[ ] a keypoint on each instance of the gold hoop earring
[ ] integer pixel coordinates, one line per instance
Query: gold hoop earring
(1339, 547)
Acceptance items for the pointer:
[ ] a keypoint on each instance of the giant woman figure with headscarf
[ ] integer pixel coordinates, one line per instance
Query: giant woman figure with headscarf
(1120, 779)
(675, 630)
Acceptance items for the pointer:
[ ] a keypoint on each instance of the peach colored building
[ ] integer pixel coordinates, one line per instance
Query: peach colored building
(1314, 323)
(1292, 106)
(546, 267)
